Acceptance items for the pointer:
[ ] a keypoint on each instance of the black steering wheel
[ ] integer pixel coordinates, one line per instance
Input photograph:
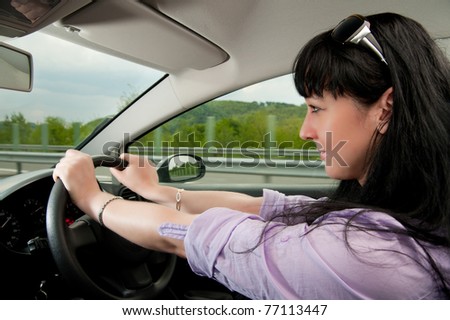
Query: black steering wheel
(98, 263)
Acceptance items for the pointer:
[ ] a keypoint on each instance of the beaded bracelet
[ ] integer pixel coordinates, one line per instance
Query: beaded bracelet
(100, 215)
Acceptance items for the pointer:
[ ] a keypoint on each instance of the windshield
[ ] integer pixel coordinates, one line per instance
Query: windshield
(74, 90)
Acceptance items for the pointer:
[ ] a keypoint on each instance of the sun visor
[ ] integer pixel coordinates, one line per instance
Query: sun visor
(133, 29)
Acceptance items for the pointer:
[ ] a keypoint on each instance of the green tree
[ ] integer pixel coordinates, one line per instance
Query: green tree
(59, 132)
(16, 121)
(128, 97)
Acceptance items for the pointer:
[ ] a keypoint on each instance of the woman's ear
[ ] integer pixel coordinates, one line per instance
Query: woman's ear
(385, 105)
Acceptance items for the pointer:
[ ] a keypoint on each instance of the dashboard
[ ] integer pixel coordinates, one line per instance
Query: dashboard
(23, 215)
(27, 268)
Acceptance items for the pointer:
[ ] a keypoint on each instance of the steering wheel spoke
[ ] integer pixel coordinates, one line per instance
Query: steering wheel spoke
(81, 233)
(136, 277)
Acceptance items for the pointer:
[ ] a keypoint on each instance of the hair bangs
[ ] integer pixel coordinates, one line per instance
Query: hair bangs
(326, 65)
(318, 68)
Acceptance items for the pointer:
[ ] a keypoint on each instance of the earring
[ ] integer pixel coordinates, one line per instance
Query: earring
(380, 127)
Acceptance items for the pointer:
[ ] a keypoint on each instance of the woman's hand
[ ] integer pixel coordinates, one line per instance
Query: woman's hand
(140, 176)
(76, 170)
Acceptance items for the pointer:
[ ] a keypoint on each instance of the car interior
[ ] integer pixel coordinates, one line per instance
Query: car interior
(204, 50)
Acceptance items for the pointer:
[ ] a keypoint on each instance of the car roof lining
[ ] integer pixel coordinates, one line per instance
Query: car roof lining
(195, 35)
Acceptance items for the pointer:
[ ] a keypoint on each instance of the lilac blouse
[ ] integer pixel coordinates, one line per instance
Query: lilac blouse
(303, 262)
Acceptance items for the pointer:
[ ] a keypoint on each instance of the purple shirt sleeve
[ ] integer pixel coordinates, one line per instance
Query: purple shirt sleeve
(270, 260)
(276, 203)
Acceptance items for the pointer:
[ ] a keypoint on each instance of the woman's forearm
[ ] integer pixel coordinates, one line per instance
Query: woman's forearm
(141, 177)
(195, 202)
(139, 222)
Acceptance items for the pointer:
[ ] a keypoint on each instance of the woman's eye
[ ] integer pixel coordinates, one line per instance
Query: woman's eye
(314, 109)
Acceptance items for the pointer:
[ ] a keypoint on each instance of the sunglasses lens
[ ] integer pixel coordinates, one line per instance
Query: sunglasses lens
(346, 28)
(355, 29)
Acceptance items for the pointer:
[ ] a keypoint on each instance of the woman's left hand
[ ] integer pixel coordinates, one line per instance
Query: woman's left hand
(77, 172)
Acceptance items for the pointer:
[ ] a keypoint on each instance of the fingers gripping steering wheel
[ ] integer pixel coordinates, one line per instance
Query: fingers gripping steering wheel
(98, 263)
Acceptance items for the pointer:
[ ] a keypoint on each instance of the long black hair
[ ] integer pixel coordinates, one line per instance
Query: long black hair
(408, 166)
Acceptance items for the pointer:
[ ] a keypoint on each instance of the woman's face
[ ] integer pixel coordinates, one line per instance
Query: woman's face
(343, 132)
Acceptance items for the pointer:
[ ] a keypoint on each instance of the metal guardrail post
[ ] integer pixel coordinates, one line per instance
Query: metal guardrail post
(16, 142)
(76, 133)
(15, 135)
(270, 141)
(44, 136)
(211, 128)
(158, 140)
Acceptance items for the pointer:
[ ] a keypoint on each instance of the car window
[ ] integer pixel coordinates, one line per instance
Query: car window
(250, 136)
(75, 89)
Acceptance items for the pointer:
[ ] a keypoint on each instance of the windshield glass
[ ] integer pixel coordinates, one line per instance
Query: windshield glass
(74, 90)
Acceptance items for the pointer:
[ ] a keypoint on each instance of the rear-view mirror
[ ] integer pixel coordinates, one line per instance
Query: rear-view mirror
(16, 68)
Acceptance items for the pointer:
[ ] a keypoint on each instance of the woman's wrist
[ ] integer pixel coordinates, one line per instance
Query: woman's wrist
(95, 204)
(165, 195)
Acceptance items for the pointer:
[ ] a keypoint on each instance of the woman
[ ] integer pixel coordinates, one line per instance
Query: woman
(378, 91)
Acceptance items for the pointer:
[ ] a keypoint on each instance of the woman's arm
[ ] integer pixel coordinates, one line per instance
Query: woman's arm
(140, 222)
(141, 177)
(195, 202)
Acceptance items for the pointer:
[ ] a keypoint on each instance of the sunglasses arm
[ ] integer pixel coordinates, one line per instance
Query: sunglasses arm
(364, 37)
(369, 41)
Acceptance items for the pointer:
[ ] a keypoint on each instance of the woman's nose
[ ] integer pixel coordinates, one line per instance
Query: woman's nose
(307, 131)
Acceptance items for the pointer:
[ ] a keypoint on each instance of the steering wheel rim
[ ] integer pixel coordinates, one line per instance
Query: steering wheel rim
(65, 241)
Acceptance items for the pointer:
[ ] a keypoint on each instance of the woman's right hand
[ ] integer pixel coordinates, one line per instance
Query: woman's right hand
(140, 176)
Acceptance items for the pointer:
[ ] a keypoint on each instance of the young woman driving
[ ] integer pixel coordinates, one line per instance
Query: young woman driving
(378, 96)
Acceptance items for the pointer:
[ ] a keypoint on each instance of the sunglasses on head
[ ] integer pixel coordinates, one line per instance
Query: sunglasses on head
(356, 29)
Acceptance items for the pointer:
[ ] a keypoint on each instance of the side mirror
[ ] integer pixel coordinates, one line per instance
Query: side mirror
(181, 168)
(16, 68)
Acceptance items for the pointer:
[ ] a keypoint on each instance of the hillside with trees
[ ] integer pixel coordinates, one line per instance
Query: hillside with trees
(233, 123)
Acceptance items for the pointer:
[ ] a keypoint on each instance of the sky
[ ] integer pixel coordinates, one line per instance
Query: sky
(280, 89)
(74, 84)
(82, 85)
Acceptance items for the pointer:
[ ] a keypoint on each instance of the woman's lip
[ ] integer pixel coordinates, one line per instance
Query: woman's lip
(323, 154)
